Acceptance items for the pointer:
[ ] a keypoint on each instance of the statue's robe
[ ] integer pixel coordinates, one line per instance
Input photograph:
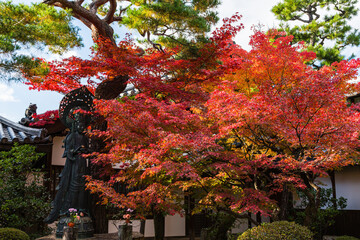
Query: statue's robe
(71, 189)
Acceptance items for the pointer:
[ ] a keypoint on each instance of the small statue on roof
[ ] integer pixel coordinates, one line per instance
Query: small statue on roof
(30, 111)
(30, 115)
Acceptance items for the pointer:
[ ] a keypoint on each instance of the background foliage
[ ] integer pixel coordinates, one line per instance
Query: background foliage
(24, 201)
(322, 24)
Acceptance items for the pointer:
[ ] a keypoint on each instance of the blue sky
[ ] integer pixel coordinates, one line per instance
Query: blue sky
(15, 97)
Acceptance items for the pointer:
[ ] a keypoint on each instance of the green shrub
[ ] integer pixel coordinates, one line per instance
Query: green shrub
(323, 217)
(24, 200)
(222, 223)
(277, 230)
(346, 238)
(13, 234)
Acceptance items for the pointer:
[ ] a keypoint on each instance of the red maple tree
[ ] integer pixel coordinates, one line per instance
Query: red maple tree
(292, 123)
(234, 128)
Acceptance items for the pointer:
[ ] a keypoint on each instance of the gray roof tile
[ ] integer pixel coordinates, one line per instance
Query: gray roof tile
(13, 132)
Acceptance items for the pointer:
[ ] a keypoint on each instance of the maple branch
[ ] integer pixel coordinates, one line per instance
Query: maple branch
(324, 133)
(232, 213)
(312, 116)
(245, 148)
(238, 215)
(259, 139)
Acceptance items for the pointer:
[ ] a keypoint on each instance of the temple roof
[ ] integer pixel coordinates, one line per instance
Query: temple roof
(13, 132)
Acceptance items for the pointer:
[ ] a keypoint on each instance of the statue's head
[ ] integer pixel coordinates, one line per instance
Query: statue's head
(80, 122)
(80, 118)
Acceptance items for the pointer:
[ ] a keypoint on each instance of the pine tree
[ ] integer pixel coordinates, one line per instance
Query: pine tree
(323, 26)
(36, 25)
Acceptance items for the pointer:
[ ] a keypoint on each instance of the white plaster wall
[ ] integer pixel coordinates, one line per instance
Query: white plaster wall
(57, 151)
(347, 186)
(149, 228)
(240, 226)
(174, 226)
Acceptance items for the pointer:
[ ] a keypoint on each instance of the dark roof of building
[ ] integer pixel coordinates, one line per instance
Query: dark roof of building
(129, 91)
(13, 132)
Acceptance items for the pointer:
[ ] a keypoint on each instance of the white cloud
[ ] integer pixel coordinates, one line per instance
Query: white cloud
(253, 13)
(67, 54)
(6, 94)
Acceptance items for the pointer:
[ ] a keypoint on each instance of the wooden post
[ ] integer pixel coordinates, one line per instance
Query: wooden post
(159, 226)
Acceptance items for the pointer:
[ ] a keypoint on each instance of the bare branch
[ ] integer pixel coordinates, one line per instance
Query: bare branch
(157, 46)
(342, 12)
(310, 11)
(96, 4)
(300, 19)
(49, 2)
(79, 2)
(109, 18)
(119, 17)
(88, 17)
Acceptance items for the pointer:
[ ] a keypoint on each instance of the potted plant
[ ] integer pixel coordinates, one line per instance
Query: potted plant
(125, 229)
(70, 231)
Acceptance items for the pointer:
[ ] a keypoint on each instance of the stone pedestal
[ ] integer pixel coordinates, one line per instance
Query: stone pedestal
(70, 233)
(84, 227)
(204, 234)
(125, 232)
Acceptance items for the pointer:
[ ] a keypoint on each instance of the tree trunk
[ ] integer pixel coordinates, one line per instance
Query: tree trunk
(258, 217)
(99, 217)
(333, 187)
(313, 206)
(223, 224)
(142, 226)
(249, 220)
(159, 225)
(284, 204)
(189, 217)
(310, 212)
